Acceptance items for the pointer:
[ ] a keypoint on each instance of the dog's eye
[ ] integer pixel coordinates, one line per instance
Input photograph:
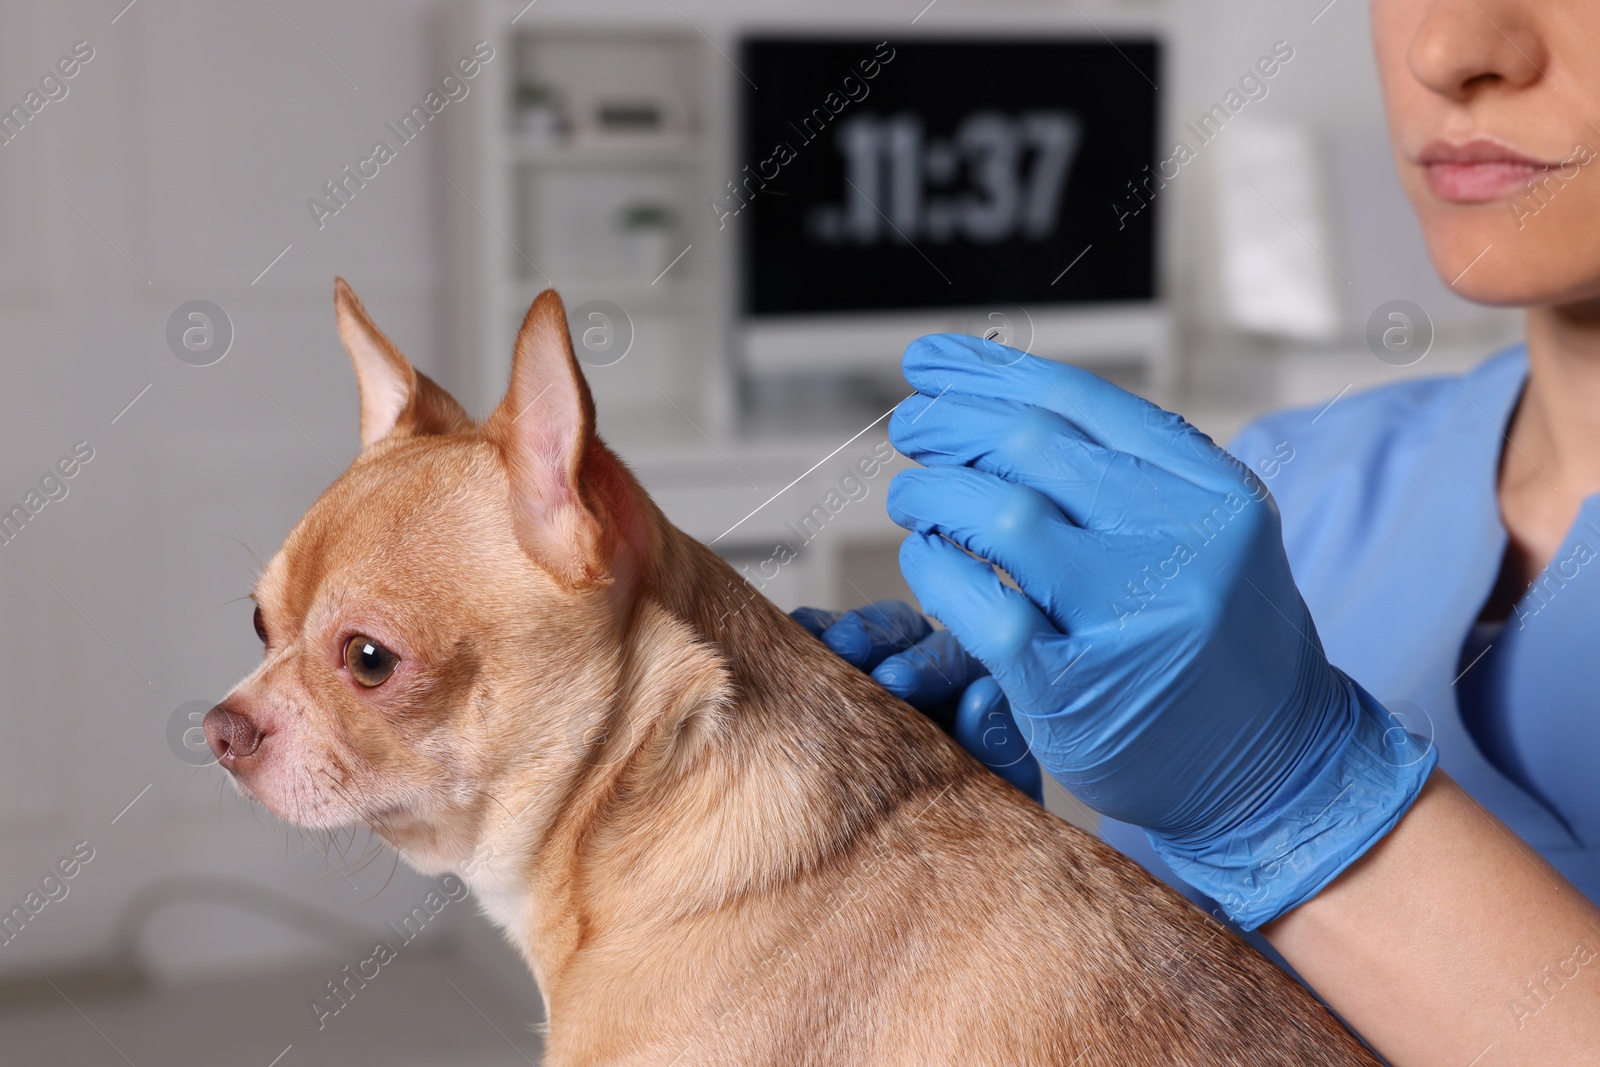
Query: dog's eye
(261, 627)
(369, 662)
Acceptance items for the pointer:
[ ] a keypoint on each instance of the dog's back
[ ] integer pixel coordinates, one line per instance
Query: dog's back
(863, 891)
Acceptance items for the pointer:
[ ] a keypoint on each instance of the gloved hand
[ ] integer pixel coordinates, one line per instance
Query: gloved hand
(1159, 658)
(929, 670)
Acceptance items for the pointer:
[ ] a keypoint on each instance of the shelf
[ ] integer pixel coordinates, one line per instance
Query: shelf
(636, 297)
(630, 151)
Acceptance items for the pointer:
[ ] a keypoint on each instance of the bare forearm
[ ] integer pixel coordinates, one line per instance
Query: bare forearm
(1452, 942)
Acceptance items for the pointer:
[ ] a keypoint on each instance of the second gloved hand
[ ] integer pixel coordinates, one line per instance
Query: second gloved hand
(929, 670)
(1159, 659)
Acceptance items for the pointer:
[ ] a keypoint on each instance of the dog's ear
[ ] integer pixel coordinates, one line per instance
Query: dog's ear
(396, 398)
(570, 493)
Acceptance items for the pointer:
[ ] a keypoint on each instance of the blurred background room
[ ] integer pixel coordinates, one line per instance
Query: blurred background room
(749, 208)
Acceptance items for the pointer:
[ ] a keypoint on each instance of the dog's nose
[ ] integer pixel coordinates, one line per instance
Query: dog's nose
(231, 734)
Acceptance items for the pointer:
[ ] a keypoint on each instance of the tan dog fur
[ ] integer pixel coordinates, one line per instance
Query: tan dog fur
(713, 842)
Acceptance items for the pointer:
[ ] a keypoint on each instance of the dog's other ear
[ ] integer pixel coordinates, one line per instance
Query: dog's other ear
(569, 491)
(396, 398)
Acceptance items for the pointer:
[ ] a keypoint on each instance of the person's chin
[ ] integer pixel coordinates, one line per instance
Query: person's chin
(1489, 253)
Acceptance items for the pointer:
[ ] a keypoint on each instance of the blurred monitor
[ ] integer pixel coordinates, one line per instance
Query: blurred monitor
(910, 186)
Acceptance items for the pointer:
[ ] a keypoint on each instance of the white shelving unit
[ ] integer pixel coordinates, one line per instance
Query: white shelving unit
(534, 210)
(624, 126)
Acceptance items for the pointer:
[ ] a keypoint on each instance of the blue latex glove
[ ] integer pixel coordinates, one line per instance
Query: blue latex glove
(929, 670)
(1159, 658)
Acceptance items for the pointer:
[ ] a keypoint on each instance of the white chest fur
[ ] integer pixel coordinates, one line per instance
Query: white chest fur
(506, 902)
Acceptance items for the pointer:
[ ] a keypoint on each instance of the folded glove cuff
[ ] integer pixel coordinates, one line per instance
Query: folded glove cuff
(1285, 854)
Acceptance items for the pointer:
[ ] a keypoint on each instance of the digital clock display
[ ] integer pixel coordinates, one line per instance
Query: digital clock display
(889, 175)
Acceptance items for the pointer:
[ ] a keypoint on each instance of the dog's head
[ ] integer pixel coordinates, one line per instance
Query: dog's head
(450, 611)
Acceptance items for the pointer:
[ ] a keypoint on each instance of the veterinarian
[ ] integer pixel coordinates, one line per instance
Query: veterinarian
(1360, 711)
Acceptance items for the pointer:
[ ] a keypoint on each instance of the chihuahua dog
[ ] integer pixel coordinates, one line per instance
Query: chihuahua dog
(713, 842)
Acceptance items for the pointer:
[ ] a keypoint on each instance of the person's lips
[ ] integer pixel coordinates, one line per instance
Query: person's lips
(1478, 171)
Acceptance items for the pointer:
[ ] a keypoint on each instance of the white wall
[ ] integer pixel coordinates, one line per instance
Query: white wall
(190, 142)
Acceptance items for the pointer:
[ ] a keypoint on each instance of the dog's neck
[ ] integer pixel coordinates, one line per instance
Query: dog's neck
(750, 757)
(811, 747)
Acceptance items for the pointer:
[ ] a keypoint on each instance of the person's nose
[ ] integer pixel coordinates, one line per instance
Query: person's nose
(1463, 47)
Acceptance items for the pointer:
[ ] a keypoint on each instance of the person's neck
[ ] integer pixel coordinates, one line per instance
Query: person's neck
(1555, 434)
(1551, 459)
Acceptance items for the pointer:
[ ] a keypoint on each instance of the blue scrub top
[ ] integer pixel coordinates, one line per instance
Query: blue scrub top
(1391, 520)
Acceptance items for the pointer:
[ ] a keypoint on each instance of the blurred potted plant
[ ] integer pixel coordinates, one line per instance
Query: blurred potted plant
(540, 115)
(647, 237)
